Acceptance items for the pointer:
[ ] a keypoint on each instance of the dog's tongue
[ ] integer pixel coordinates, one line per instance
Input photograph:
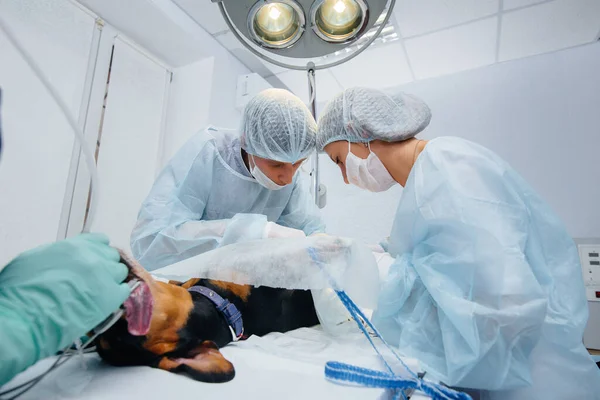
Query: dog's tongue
(138, 310)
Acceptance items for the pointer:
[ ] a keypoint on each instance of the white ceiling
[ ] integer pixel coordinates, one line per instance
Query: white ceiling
(419, 17)
(158, 26)
(437, 37)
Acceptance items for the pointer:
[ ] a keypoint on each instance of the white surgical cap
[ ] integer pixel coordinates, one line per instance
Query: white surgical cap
(278, 126)
(363, 115)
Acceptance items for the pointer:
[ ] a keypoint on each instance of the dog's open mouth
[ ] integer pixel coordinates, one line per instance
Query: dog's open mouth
(138, 310)
(140, 304)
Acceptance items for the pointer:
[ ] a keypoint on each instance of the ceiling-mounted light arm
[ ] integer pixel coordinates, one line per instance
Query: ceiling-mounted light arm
(312, 95)
(257, 53)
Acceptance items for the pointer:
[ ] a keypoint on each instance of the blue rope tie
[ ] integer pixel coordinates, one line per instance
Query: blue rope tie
(340, 372)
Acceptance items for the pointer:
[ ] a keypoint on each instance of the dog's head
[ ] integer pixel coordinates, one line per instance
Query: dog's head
(163, 328)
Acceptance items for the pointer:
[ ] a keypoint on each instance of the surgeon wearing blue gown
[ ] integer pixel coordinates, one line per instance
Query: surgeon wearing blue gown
(227, 186)
(486, 288)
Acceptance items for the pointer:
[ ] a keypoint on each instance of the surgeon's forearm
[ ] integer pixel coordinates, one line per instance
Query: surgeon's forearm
(240, 228)
(18, 349)
(176, 243)
(171, 240)
(306, 222)
(316, 225)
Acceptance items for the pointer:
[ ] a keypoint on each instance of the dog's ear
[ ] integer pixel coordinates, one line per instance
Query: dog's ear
(205, 363)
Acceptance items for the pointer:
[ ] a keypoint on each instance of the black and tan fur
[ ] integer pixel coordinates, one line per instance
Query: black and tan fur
(187, 330)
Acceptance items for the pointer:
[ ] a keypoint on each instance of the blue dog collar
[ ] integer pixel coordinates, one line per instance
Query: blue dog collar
(232, 315)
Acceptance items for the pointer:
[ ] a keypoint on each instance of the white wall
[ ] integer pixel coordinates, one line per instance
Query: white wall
(541, 114)
(38, 142)
(189, 105)
(224, 81)
(37, 168)
(202, 93)
(353, 212)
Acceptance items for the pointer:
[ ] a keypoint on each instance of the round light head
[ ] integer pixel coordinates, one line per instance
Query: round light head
(276, 24)
(275, 30)
(338, 21)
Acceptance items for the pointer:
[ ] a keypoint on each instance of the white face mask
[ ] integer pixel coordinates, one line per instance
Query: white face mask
(263, 179)
(369, 173)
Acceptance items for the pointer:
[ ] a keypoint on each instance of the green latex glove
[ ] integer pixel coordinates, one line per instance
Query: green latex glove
(51, 295)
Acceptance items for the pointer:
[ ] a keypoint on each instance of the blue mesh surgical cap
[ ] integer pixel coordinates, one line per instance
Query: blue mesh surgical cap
(363, 115)
(278, 126)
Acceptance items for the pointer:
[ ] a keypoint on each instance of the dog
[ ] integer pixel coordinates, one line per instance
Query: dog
(180, 326)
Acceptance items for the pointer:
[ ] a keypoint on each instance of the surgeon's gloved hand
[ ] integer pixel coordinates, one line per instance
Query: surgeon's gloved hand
(56, 293)
(274, 231)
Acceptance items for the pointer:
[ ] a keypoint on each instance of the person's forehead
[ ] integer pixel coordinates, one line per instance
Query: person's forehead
(275, 162)
(335, 146)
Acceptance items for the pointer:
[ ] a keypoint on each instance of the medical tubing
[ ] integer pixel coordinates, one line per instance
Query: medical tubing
(354, 310)
(65, 110)
(32, 382)
(337, 371)
(68, 353)
(435, 391)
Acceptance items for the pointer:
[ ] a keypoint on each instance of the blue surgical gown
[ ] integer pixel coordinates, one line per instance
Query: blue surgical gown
(486, 289)
(206, 198)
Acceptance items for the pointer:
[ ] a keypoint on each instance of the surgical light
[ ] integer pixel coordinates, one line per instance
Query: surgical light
(274, 13)
(292, 33)
(339, 6)
(338, 21)
(276, 24)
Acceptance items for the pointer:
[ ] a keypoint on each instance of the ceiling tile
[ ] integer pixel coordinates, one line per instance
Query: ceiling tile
(416, 17)
(510, 4)
(158, 30)
(253, 63)
(274, 69)
(377, 67)
(297, 83)
(205, 13)
(549, 27)
(457, 49)
(229, 41)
